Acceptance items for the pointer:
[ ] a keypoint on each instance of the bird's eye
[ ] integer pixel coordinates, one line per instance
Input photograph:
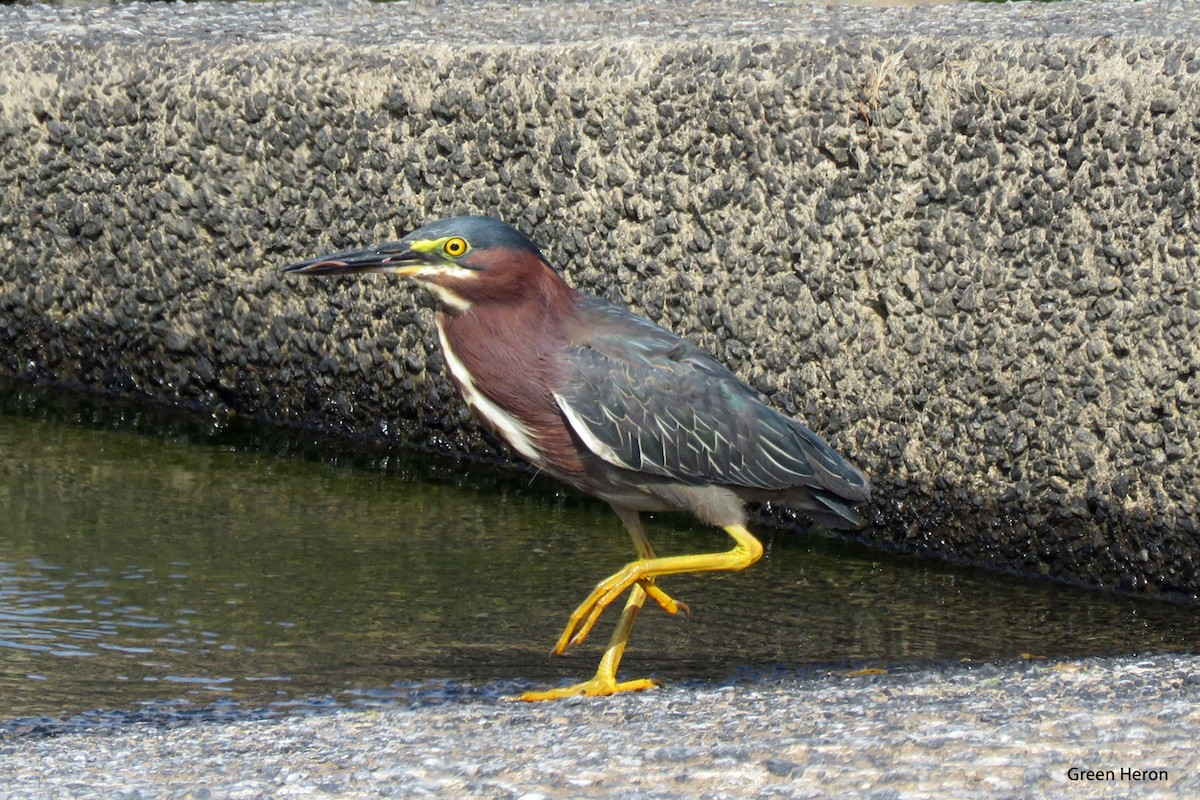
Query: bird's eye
(455, 247)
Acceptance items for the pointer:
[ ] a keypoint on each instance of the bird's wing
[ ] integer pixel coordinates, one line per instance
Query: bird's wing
(642, 398)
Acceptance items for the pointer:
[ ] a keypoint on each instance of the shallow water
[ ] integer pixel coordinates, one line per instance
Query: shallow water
(156, 556)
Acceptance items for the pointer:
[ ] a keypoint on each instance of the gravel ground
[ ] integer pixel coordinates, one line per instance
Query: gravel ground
(993, 730)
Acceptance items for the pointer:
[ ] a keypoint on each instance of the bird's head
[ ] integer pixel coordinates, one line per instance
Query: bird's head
(463, 261)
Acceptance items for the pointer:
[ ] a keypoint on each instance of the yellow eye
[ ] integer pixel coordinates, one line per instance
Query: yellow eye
(455, 247)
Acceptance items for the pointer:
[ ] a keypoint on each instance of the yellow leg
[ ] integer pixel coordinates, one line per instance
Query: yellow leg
(745, 552)
(633, 524)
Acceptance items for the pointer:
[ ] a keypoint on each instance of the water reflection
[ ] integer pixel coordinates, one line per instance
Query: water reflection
(149, 555)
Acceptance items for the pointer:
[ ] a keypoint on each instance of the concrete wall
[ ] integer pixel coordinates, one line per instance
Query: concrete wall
(960, 242)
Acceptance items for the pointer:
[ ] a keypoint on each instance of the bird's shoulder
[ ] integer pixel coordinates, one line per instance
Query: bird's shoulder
(612, 336)
(647, 399)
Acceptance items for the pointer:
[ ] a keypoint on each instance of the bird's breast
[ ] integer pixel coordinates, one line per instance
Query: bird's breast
(507, 425)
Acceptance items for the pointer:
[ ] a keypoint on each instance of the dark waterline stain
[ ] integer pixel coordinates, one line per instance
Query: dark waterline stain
(152, 559)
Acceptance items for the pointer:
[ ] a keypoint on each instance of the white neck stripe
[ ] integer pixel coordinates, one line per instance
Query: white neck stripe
(511, 429)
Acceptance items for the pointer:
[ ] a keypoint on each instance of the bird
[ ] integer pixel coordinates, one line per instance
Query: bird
(613, 405)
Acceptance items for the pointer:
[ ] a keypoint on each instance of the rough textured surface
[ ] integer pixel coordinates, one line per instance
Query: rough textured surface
(959, 241)
(991, 731)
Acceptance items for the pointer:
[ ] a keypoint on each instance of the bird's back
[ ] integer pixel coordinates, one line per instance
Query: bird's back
(646, 400)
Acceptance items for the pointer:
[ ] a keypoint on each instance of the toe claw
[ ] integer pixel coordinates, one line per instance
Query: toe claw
(664, 600)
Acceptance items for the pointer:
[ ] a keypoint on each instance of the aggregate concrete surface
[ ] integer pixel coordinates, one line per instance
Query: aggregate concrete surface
(1031, 729)
(958, 241)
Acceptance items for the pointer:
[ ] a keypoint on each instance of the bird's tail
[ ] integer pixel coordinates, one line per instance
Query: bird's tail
(831, 511)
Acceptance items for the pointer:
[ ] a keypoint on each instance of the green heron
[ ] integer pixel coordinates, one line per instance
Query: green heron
(611, 404)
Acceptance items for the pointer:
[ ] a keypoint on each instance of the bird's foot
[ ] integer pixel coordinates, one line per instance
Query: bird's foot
(584, 618)
(599, 686)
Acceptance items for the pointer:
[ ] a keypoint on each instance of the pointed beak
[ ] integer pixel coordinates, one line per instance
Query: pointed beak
(396, 257)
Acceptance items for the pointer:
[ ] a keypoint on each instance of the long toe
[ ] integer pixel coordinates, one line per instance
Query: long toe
(596, 687)
(585, 616)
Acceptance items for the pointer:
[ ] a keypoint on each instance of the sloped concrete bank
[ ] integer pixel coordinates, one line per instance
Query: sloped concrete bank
(960, 241)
